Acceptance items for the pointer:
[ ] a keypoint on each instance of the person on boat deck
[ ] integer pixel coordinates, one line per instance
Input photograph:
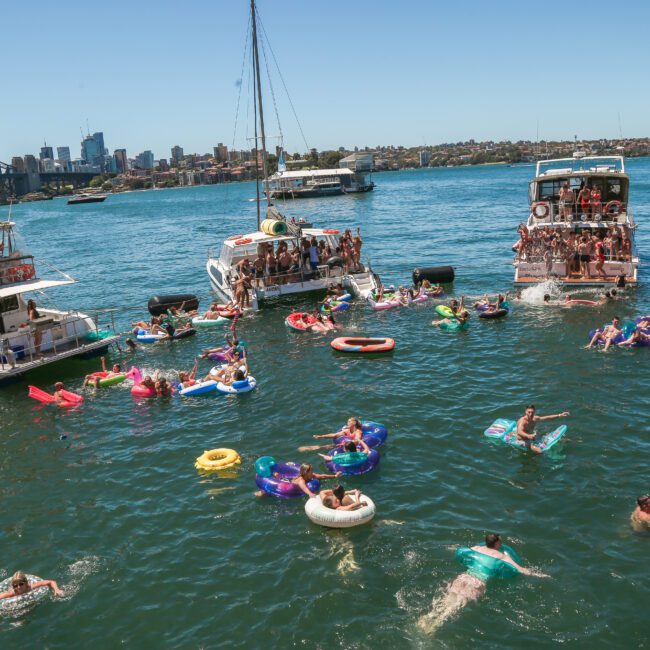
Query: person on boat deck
(258, 268)
(244, 266)
(641, 515)
(607, 335)
(351, 430)
(285, 262)
(567, 199)
(595, 201)
(187, 379)
(314, 256)
(20, 585)
(242, 297)
(92, 378)
(584, 198)
(350, 446)
(341, 499)
(32, 315)
(638, 337)
(526, 426)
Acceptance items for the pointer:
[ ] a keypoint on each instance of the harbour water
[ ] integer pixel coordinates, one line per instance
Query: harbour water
(105, 498)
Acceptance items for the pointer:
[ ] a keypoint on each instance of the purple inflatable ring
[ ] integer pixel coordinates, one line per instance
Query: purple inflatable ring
(279, 483)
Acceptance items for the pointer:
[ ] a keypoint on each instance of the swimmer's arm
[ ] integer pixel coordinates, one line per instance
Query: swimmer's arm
(103, 364)
(47, 583)
(364, 447)
(7, 594)
(300, 482)
(328, 435)
(194, 369)
(541, 418)
(320, 477)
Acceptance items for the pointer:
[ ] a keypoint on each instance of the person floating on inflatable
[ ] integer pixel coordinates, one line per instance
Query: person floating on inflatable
(341, 499)
(20, 586)
(526, 426)
(94, 378)
(493, 560)
(606, 335)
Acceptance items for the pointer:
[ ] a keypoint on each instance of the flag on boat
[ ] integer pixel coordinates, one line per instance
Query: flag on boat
(282, 166)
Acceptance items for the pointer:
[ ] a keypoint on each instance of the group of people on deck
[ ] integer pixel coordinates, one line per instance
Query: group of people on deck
(587, 202)
(575, 249)
(282, 265)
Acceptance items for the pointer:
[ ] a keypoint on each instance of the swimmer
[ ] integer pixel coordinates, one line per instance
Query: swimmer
(58, 397)
(352, 430)
(162, 387)
(187, 379)
(131, 345)
(94, 380)
(461, 318)
(306, 475)
(20, 586)
(607, 335)
(547, 298)
(341, 499)
(467, 588)
(526, 426)
(350, 446)
(641, 515)
(638, 337)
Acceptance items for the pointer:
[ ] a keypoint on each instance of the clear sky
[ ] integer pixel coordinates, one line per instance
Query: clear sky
(154, 74)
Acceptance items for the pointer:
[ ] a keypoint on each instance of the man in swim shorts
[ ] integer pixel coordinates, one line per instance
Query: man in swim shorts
(607, 335)
(526, 427)
(641, 514)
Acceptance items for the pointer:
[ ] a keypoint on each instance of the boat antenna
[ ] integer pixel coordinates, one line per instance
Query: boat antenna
(256, 56)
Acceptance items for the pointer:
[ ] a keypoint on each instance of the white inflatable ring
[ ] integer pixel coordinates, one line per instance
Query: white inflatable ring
(324, 516)
(17, 603)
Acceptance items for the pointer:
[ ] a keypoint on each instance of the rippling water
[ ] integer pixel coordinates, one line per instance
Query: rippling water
(152, 554)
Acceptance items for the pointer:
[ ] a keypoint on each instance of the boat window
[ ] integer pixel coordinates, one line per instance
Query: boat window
(10, 303)
(613, 188)
(550, 189)
(575, 183)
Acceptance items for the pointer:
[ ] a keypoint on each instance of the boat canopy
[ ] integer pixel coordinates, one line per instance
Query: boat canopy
(34, 285)
(311, 173)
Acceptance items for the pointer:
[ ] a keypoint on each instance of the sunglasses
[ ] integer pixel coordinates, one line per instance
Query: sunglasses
(20, 583)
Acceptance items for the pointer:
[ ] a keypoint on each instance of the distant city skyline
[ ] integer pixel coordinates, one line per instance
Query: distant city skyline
(410, 74)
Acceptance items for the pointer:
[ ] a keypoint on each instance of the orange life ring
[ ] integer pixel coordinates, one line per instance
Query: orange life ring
(361, 345)
(241, 242)
(331, 232)
(540, 204)
(11, 274)
(234, 237)
(613, 204)
(24, 272)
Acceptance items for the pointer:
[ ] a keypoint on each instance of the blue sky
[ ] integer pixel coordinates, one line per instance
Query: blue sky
(154, 74)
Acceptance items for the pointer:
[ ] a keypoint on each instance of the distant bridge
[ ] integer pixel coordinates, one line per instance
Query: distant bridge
(15, 183)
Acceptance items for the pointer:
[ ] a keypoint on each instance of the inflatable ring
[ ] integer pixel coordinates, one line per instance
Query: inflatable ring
(279, 481)
(362, 345)
(535, 211)
(241, 242)
(329, 231)
(352, 463)
(613, 204)
(484, 566)
(17, 604)
(320, 514)
(217, 459)
(237, 387)
(198, 388)
(372, 433)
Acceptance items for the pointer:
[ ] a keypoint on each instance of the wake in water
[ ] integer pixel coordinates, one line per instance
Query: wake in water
(462, 591)
(78, 572)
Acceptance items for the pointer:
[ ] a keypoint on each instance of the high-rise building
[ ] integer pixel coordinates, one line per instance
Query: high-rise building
(31, 164)
(144, 160)
(163, 164)
(63, 158)
(220, 153)
(121, 161)
(98, 137)
(18, 164)
(46, 152)
(425, 157)
(177, 154)
(90, 151)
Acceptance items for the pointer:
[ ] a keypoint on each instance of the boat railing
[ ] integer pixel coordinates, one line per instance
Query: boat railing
(555, 213)
(16, 269)
(72, 333)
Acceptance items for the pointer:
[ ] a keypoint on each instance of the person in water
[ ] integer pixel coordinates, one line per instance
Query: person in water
(186, 378)
(526, 426)
(467, 588)
(306, 474)
(350, 446)
(58, 396)
(94, 378)
(341, 499)
(20, 586)
(352, 430)
(162, 387)
(607, 335)
(641, 515)
(638, 337)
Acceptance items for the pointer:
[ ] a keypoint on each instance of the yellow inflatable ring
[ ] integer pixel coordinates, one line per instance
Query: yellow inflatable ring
(217, 459)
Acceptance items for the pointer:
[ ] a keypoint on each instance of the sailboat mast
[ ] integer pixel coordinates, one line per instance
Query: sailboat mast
(259, 101)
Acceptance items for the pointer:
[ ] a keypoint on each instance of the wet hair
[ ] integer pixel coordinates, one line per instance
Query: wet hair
(350, 446)
(491, 540)
(547, 297)
(531, 406)
(304, 469)
(339, 492)
(239, 375)
(118, 366)
(328, 502)
(58, 385)
(615, 318)
(608, 294)
(613, 292)
(19, 576)
(357, 422)
(643, 500)
(130, 343)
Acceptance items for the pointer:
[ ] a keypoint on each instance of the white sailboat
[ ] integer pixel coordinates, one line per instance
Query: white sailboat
(224, 268)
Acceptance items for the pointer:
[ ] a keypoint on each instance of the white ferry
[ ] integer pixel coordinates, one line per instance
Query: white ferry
(310, 183)
(607, 216)
(54, 335)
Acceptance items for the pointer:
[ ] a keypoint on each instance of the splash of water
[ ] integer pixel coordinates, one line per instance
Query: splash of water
(535, 295)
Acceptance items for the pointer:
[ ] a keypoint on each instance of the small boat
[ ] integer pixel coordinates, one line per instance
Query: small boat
(86, 198)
